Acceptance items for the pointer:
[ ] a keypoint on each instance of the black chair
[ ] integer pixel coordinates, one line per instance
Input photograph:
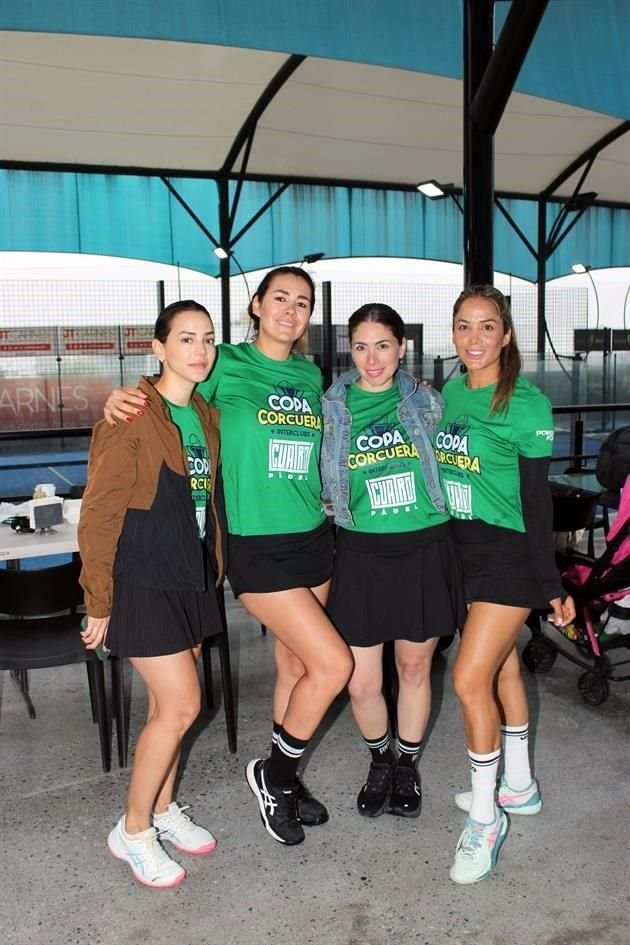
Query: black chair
(574, 511)
(42, 630)
(218, 640)
(221, 642)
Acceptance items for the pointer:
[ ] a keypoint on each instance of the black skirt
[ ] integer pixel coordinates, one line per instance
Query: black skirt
(262, 564)
(150, 621)
(497, 565)
(405, 586)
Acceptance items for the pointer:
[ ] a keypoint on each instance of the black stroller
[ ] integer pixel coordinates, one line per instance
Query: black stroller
(595, 584)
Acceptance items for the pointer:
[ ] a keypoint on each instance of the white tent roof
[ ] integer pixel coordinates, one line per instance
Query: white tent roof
(148, 104)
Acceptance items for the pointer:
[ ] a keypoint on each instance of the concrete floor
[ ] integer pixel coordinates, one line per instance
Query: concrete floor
(562, 877)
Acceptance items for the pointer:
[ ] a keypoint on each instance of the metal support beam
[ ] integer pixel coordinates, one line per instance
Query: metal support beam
(224, 264)
(495, 88)
(191, 213)
(478, 148)
(267, 204)
(541, 278)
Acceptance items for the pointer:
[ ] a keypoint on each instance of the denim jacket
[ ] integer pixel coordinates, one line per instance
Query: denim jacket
(419, 411)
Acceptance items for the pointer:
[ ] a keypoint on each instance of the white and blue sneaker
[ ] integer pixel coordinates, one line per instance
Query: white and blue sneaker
(477, 849)
(526, 802)
(181, 830)
(149, 861)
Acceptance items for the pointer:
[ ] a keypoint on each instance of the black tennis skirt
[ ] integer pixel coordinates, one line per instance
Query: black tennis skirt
(151, 621)
(405, 586)
(261, 564)
(497, 565)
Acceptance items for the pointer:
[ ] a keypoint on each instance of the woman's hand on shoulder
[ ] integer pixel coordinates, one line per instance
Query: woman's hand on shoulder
(563, 611)
(124, 403)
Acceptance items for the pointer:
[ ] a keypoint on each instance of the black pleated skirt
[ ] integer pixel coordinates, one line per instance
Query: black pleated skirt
(405, 586)
(151, 621)
(497, 565)
(261, 564)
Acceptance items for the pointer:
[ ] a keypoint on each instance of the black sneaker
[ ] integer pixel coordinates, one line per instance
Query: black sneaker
(373, 795)
(278, 807)
(406, 797)
(311, 812)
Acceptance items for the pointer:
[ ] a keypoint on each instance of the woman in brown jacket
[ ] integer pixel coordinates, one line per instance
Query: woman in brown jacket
(150, 543)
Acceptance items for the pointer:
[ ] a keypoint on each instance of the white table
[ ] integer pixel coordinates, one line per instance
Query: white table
(15, 545)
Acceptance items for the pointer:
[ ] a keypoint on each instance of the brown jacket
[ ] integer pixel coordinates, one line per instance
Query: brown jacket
(138, 521)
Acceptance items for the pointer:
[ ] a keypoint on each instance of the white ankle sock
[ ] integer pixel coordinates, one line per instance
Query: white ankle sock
(483, 772)
(517, 770)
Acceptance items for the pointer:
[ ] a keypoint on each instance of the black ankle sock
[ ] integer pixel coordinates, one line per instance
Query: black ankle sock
(381, 750)
(408, 752)
(285, 758)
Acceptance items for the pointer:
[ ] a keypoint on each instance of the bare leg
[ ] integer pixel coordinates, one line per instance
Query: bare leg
(166, 792)
(298, 620)
(511, 691)
(490, 633)
(290, 669)
(174, 684)
(413, 663)
(366, 691)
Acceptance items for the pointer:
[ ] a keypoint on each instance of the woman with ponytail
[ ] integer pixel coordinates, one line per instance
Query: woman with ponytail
(493, 447)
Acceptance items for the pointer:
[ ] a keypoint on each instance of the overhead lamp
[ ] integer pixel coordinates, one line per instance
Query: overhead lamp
(580, 268)
(313, 258)
(220, 252)
(434, 190)
(581, 201)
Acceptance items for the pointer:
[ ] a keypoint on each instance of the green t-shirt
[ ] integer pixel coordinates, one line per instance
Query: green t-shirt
(477, 452)
(271, 432)
(387, 489)
(194, 442)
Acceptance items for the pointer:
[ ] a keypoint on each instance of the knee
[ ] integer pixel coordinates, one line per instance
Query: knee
(467, 684)
(364, 687)
(335, 672)
(288, 667)
(414, 673)
(184, 713)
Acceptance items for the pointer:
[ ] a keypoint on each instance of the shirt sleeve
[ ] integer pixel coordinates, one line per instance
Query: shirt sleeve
(538, 519)
(533, 427)
(208, 388)
(112, 474)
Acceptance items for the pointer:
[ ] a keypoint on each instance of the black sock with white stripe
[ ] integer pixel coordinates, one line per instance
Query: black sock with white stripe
(381, 750)
(408, 752)
(275, 733)
(286, 753)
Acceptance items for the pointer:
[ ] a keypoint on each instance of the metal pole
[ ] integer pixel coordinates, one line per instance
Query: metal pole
(327, 336)
(541, 278)
(478, 148)
(224, 265)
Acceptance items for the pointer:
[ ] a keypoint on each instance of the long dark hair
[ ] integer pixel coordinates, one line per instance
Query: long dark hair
(381, 313)
(263, 288)
(510, 361)
(165, 319)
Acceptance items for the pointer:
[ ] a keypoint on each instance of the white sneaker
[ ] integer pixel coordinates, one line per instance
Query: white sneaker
(477, 849)
(180, 830)
(525, 802)
(149, 861)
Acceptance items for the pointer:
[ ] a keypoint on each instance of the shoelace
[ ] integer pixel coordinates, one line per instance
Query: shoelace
(404, 779)
(378, 777)
(178, 819)
(153, 855)
(472, 839)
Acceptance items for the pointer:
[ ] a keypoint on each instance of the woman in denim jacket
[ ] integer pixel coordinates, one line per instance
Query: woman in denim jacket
(396, 575)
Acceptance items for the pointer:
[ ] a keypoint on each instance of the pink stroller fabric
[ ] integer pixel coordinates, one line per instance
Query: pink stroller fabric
(577, 574)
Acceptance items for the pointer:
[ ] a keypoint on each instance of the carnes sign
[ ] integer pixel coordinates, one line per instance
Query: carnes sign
(32, 403)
